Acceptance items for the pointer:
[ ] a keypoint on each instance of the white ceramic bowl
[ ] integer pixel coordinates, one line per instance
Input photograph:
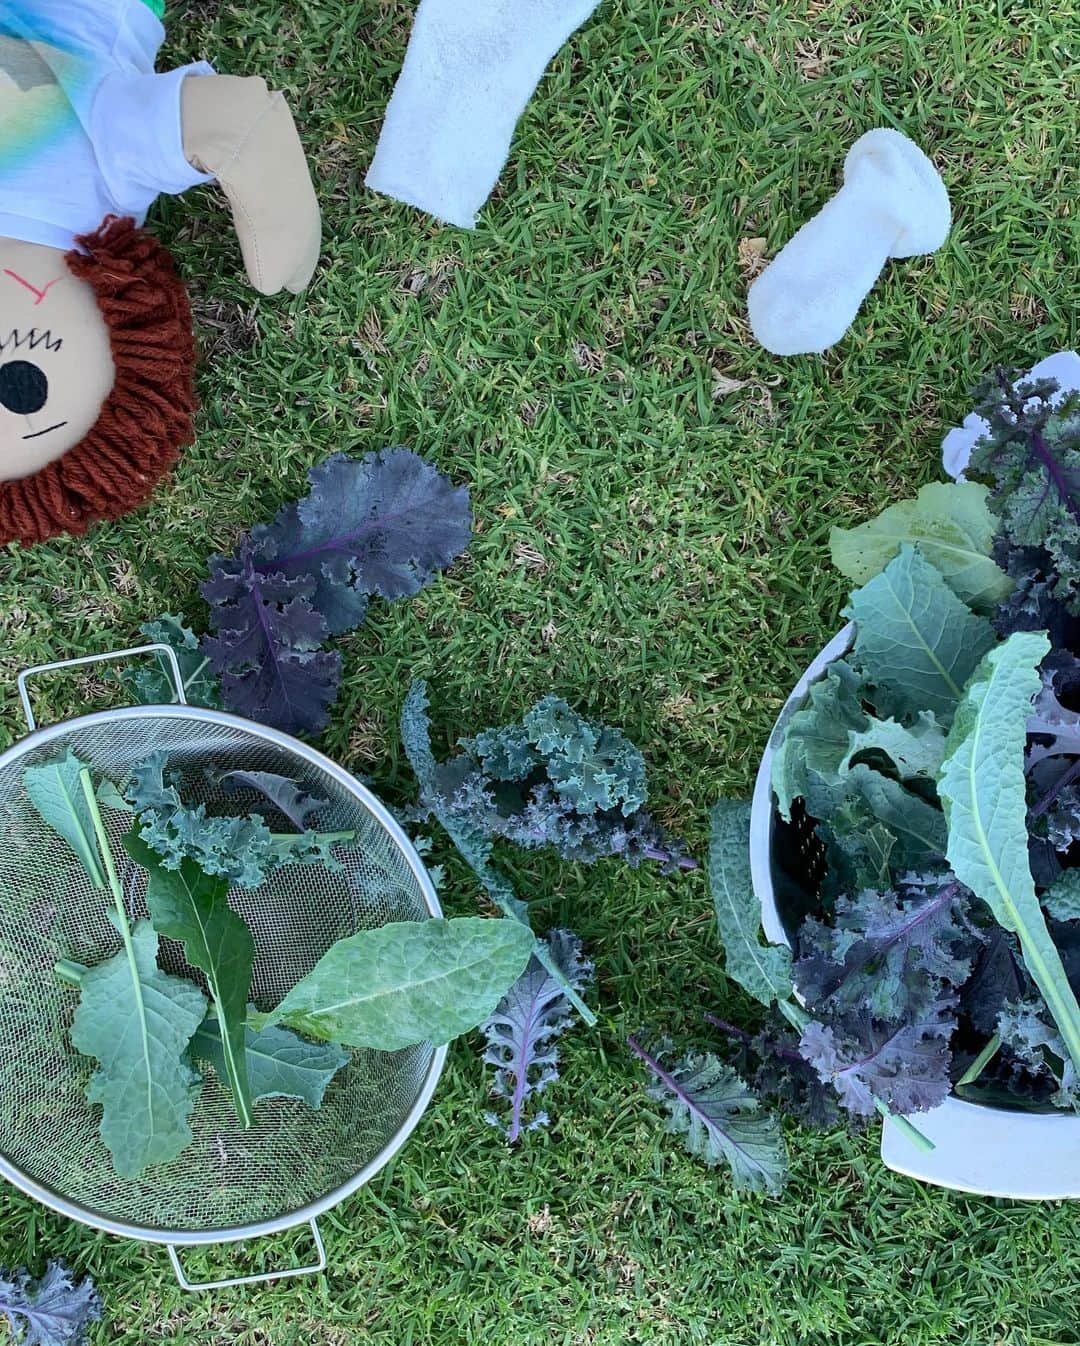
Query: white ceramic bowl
(990, 1151)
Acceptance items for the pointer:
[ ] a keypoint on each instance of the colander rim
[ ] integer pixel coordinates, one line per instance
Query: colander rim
(194, 1238)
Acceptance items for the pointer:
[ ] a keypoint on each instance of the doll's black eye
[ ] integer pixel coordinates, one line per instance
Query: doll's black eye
(23, 387)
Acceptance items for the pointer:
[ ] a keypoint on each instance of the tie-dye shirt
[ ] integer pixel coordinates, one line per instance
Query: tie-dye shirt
(87, 129)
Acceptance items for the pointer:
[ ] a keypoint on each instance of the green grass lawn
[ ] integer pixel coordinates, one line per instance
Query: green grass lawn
(649, 546)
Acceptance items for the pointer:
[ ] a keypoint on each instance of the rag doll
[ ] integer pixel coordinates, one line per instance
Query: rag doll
(97, 351)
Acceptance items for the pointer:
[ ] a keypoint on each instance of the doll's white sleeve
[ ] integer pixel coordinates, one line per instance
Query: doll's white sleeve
(136, 132)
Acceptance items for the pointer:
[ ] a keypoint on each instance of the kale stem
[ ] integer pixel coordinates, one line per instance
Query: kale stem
(1066, 778)
(981, 1062)
(70, 972)
(727, 1028)
(115, 886)
(905, 1128)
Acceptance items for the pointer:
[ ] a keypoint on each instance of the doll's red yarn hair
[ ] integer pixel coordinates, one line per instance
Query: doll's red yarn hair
(148, 416)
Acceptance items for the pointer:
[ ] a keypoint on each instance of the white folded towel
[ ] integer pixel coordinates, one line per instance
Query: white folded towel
(892, 204)
(470, 69)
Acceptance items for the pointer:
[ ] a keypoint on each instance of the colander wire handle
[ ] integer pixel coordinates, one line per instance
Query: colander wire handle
(283, 1274)
(156, 648)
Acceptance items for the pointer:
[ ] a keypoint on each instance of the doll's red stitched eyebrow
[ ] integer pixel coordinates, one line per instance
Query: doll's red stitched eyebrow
(32, 288)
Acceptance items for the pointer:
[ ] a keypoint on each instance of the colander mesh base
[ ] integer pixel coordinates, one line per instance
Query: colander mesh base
(228, 1178)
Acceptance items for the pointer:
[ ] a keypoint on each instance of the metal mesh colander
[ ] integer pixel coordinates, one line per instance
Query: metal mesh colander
(230, 1183)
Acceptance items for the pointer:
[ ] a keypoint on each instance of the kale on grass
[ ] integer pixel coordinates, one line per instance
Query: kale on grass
(554, 779)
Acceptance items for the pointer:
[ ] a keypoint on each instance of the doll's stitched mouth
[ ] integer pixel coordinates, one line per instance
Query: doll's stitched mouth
(38, 433)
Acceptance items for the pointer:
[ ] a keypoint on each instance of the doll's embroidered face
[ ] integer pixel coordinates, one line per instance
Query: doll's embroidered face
(56, 364)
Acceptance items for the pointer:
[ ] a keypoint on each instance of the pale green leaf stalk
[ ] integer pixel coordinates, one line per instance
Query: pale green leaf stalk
(982, 789)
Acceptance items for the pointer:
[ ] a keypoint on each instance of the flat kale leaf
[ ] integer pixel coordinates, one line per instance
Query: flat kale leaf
(279, 1063)
(718, 1118)
(408, 982)
(907, 752)
(266, 645)
(817, 740)
(916, 642)
(984, 791)
(903, 1065)
(192, 907)
(52, 1311)
(954, 529)
(55, 790)
(385, 524)
(523, 1032)
(137, 1022)
(762, 970)
(285, 795)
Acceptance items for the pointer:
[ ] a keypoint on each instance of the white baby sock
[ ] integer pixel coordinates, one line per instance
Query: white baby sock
(893, 204)
(470, 69)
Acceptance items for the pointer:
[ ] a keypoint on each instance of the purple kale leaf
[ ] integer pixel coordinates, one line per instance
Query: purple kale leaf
(904, 1065)
(266, 645)
(892, 953)
(771, 1062)
(718, 1118)
(523, 1032)
(997, 977)
(53, 1311)
(384, 524)
(285, 795)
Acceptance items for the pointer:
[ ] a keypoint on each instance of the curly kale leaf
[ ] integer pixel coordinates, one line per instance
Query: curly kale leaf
(1038, 1047)
(772, 1063)
(1054, 727)
(1062, 898)
(240, 849)
(523, 1032)
(1034, 604)
(1031, 459)
(718, 1118)
(154, 685)
(384, 524)
(473, 845)
(52, 1311)
(903, 1065)
(555, 779)
(894, 953)
(267, 644)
